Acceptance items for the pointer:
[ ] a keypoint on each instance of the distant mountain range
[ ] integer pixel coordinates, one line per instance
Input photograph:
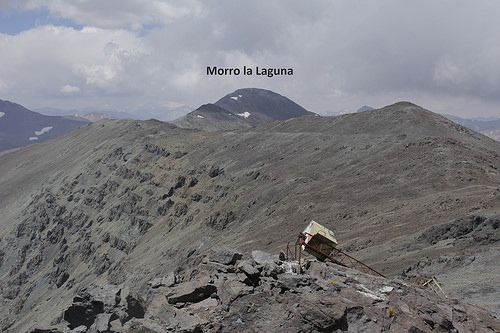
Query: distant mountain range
(20, 127)
(90, 114)
(241, 109)
(488, 127)
(145, 112)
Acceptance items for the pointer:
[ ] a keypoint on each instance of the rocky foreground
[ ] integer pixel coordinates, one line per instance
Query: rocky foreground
(225, 291)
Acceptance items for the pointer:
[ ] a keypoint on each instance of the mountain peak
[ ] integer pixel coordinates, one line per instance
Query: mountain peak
(241, 109)
(261, 105)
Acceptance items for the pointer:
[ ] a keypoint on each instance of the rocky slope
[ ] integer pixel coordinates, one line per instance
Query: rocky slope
(211, 117)
(124, 202)
(241, 109)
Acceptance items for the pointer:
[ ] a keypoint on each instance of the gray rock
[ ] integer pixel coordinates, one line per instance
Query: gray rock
(108, 294)
(83, 313)
(322, 299)
(142, 326)
(272, 270)
(166, 281)
(46, 330)
(191, 292)
(101, 323)
(115, 325)
(231, 290)
(293, 282)
(262, 258)
(225, 256)
(79, 329)
(136, 306)
(247, 268)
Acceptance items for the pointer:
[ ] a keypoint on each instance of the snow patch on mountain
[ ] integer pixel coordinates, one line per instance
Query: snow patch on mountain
(245, 114)
(43, 130)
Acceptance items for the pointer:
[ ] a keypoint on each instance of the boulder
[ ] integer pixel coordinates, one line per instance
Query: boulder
(166, 281)
(294, 282)
(247, 268)
(230, 290)
(108, 294)
(136, 306)
(115, 325)
(101, 323)
(272, 270)
(79, 329)
(190, 292)
(83, 313)
(262, 258)
(225, 256)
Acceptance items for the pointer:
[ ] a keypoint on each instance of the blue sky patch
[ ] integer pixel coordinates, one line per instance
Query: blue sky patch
(14, 22)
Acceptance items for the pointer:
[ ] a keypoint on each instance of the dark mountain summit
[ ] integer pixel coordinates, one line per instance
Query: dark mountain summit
(365, 108)
(20, 126)
(115, 223)
(241, 109)
(259, 105)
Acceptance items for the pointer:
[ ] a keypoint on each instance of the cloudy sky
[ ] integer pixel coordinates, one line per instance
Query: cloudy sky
(134, 54)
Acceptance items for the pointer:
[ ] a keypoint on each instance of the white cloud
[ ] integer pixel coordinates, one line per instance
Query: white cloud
(69, 89)
(344, 54)
(3, 85)
(40, 61)
(188, 79)
(446, 72)
(116, 14)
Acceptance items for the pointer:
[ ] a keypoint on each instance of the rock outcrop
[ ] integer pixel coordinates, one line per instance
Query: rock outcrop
(228, 292)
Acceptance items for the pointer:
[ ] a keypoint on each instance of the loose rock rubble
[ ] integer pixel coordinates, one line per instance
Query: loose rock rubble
(229, 292)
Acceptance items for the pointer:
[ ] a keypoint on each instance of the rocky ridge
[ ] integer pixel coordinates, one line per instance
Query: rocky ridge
(227, 292)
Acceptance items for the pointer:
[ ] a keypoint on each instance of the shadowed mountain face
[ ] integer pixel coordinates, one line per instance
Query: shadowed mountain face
(20, 127)
(123, 202)
(259, 105)
(211, 117)
(242, 109)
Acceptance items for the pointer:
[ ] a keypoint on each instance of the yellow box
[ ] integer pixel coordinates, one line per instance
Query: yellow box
(319, 239)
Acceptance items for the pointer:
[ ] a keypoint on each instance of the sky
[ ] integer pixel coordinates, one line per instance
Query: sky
(131, 55)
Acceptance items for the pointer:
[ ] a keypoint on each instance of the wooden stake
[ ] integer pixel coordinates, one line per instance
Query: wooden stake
(437, 284)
